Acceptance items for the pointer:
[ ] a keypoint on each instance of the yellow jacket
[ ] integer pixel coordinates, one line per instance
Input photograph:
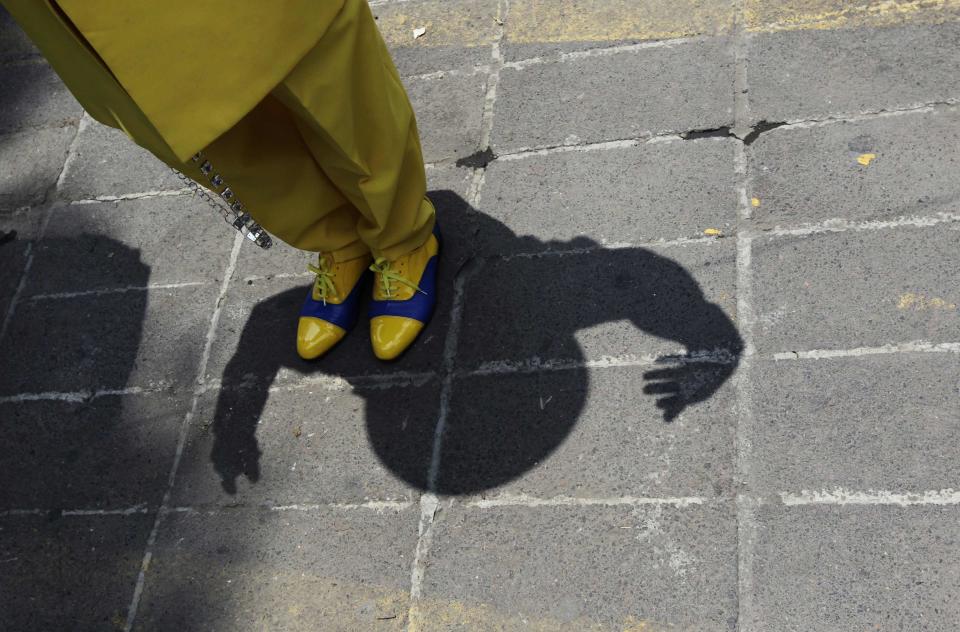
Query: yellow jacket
(173, 74)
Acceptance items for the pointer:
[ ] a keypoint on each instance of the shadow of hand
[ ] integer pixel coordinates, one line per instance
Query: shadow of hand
(685, 382)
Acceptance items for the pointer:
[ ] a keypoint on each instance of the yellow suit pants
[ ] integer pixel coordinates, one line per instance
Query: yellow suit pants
(329, 160)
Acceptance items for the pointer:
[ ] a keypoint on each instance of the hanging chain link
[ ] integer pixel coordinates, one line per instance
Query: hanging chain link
(225, 202)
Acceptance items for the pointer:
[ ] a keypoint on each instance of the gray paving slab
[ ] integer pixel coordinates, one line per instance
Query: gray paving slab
(14, 44)
(880, 422)
(636, 194)
(175, 240)
(112, 341)
(315, 443)
(32, 162)
(624, 303)
(330, 569)
(441, 47)
(814, 174)
(609, 97)
(856, 568)
(109, 453)
(582, 568)
(449, 114)
(588, 433)
(107, 163)
(815, 73)
(70, 573)
(34, 96)
(854, 289)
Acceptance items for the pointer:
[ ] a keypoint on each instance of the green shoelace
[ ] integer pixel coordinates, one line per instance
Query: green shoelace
(324, 282)
(388, 277)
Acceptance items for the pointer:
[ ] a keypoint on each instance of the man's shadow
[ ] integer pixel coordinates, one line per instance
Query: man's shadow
(520, 316)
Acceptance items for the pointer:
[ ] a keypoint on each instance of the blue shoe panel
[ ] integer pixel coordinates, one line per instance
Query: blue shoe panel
(343, 315)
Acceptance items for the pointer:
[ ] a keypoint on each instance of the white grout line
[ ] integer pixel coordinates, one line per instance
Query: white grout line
(142, 508)
(83, 124)
(184, 428)
(524, 500)
(451, 72)
(82, 396)
(601, 246)
(116, 290)
(602, 52)
(871, 115)
(142, 195)
(375, 505)
(840, 225)
(18, 293)
(746, 518)
(917, 346)
(841, 496)
(502, 367)
(537, 365)
(430, 504)
(529, 152)
(28, 264)
(279, 275)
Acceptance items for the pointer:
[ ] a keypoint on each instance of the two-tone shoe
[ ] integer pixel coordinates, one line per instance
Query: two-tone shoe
(332, 305)
(404, 297)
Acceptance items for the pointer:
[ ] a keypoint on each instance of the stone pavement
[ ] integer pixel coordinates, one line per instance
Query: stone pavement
(696, 366)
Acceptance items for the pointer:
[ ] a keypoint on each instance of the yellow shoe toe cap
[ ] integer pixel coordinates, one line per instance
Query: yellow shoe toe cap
(315, 337)
(391, 335)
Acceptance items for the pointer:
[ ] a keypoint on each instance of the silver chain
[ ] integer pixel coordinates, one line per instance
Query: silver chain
(225, 202)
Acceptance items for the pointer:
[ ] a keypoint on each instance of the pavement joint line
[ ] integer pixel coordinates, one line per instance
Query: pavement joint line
(380, 3)
(498, 367)
(141, 195)
(83, 124)
(745, 517)
(82, 396)
(646, 138)
(603, 51)
(379, 506)
(841, 225)
(184, 428)
(279, 275)
(623, 245)
(524, 500)
(116, 290)
(24, 275)
(916, 346)
(142, 508)
(538, 365)
(743, 128)
(430, 504)
(840, 496)
(18, 293)
(928, 107)
(478, 69)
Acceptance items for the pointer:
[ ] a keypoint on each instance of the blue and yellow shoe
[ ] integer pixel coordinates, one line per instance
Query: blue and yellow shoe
(332, 305)
(404, 297)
